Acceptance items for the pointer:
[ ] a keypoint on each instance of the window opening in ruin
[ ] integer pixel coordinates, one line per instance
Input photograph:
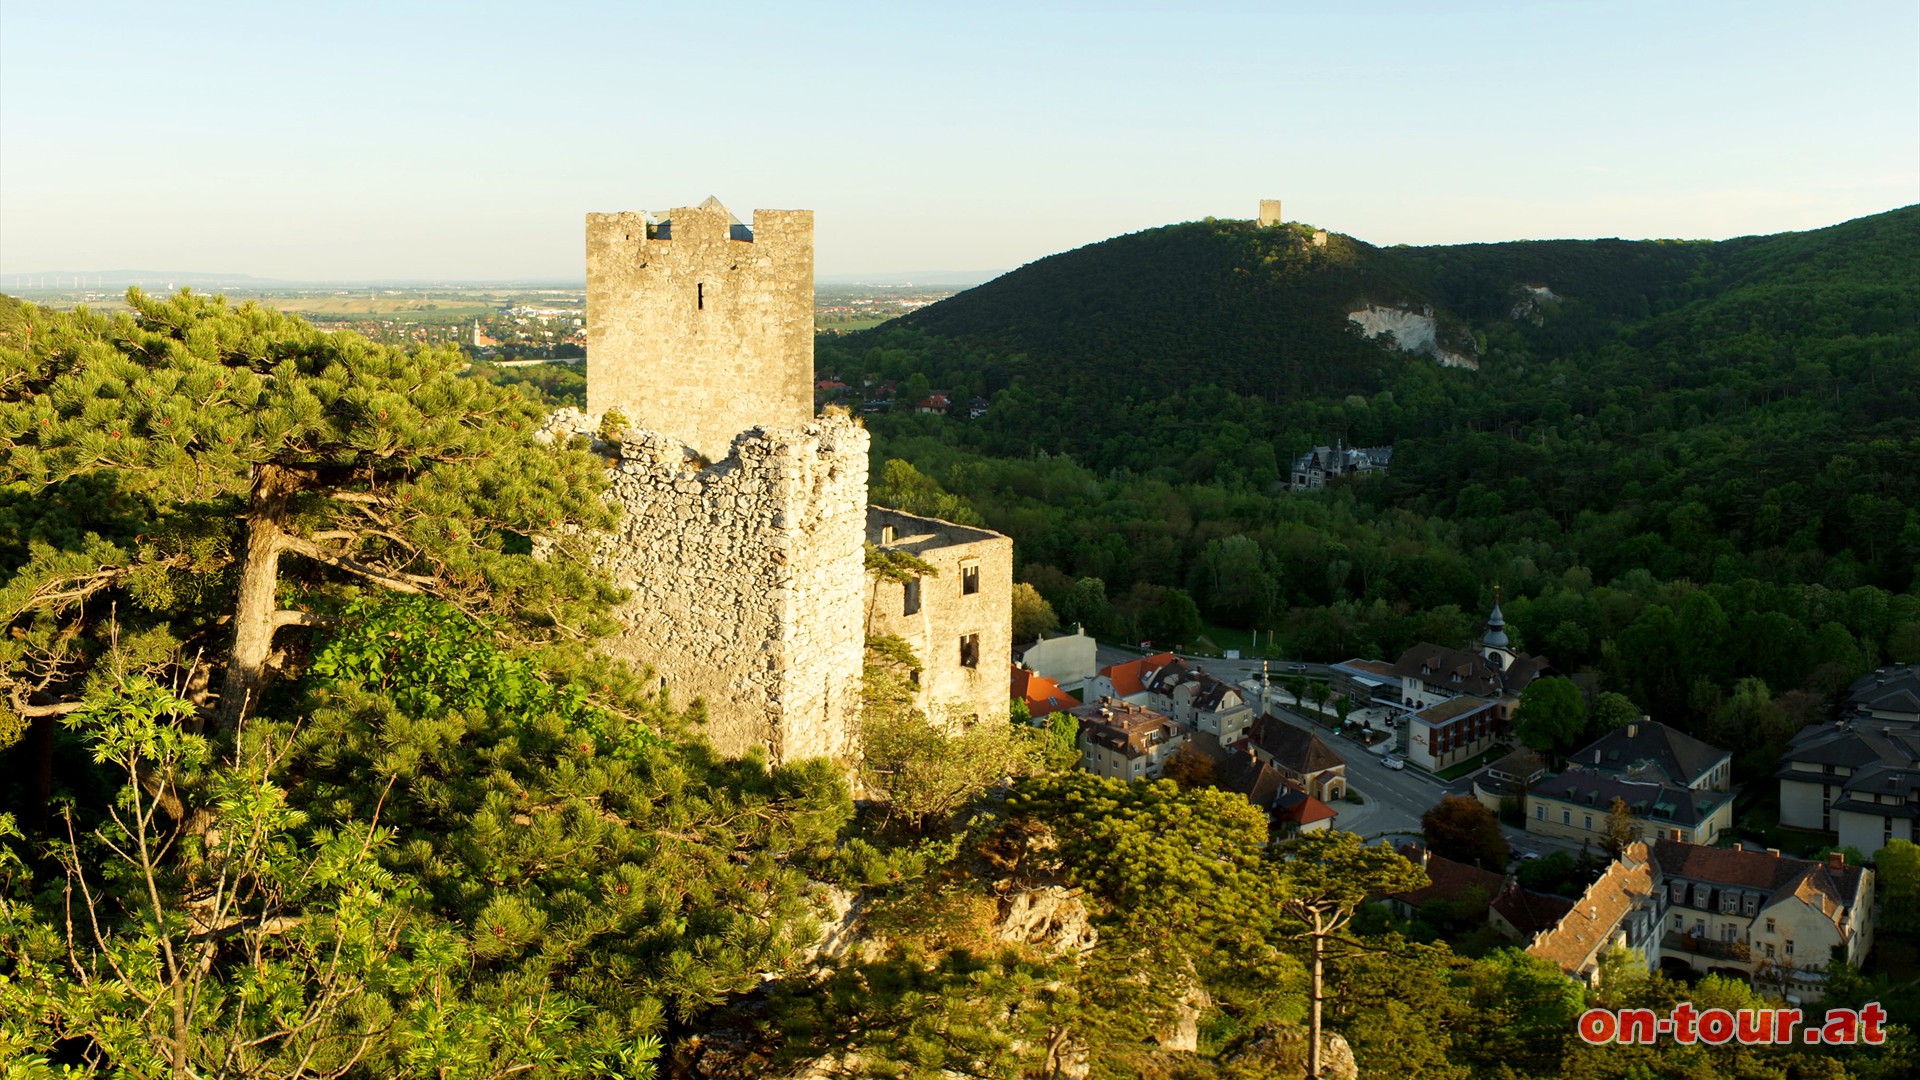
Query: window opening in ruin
(970, 651)
(970, 579)
(912, 589)
(700, 296)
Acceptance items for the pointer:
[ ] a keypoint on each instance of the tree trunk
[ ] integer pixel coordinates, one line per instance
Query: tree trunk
(1313, 1022)
(40, 774)
(253, 617)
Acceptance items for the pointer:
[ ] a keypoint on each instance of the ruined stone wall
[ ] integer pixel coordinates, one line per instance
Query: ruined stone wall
(701, 335)
(747, 579)
(947, 613)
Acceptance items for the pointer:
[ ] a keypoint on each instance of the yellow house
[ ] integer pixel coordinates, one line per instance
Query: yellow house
(1574, 805)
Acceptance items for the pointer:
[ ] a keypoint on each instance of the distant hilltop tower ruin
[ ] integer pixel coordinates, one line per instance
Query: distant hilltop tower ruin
(1270, 212)
(743, 541)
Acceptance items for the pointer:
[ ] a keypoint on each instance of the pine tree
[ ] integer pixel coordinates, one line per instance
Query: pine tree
(366, 463)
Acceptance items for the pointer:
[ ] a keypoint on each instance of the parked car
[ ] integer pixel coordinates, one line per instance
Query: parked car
(1392, 762)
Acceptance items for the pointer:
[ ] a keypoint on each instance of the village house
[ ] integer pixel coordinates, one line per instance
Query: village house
(1514, 912)
(1890, 693)
(1124, 741)
(1321, 464)
(1447, 879)
(1202, 702)
(1366, 683)
(1763, 916)
(1651, 752)
(1303, 760)
(1042, 696)
(1519, 913)
(1067, 658)
(1623, 910)
(1127, 681)
(1858, 780)
(1509, 778)
(1575, 804)
(1296, 812)
(1451, 731)
(1460, 700)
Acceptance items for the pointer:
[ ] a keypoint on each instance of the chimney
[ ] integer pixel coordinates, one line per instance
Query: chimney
(1596, 757)
(1774, 851)
(1836, 861)
(1632, 730)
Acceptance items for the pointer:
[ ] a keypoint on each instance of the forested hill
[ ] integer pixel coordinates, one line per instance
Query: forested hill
(1263, 310)
(1730, 428)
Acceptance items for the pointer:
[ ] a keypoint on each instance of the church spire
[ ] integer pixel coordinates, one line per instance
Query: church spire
(1495, 640)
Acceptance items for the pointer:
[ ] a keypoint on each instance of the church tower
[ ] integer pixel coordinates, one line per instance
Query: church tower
(1494, 644)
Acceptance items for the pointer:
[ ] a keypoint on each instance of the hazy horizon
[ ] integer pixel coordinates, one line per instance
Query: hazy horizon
(351, 142)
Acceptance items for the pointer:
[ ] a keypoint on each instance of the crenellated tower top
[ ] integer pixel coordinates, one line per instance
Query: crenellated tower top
(699, 326)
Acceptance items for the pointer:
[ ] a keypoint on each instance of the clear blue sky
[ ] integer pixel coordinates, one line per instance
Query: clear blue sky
(396, 139)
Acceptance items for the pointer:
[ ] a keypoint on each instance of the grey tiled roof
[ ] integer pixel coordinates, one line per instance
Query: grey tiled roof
(1679, 757)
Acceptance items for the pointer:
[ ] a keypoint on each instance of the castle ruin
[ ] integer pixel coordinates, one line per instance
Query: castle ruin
(746, 518)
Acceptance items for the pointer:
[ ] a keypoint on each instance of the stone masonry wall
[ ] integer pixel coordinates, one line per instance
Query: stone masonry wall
(947, 612)
(701, 335)
(747, 579)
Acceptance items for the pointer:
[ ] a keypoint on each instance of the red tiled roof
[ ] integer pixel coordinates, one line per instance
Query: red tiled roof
(1574, 942)
(1043, 696)
(1303, 810)
(1448, 878)
(1131, 677)
(1530, 912)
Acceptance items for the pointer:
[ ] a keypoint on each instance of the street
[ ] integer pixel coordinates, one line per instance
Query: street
(1394, 799)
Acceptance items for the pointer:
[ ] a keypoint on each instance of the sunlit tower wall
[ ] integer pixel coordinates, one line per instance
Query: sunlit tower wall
(698, 326)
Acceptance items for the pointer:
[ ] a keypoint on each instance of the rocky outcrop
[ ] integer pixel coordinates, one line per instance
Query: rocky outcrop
(1413, 331)
(1281, 1052)
(1050, 919)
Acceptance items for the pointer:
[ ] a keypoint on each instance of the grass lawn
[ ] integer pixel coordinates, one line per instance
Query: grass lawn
(1455, 772)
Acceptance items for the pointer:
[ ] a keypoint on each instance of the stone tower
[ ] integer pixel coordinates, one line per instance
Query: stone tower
(698, 326)
(1270, 212)
(742, 537)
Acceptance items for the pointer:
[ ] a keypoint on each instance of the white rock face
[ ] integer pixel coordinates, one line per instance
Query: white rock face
(1527, 307)
(1413, 331)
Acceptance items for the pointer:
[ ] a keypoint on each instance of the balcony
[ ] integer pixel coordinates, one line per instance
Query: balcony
(1736, 951)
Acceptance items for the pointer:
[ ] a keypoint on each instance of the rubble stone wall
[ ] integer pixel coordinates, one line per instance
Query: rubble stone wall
(747, 579)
